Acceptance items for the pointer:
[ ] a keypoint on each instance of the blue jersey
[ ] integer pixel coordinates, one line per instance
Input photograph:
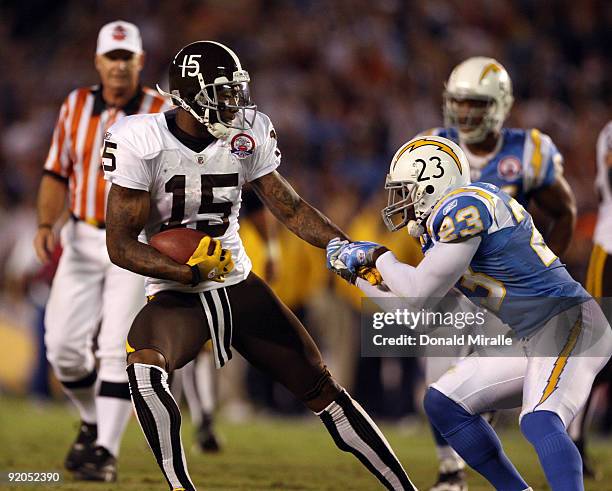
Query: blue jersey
(526, 161)
(513, 273)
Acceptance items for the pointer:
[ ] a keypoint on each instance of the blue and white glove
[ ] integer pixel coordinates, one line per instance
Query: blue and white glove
(357, 255)
(342, 260)
(334, 247)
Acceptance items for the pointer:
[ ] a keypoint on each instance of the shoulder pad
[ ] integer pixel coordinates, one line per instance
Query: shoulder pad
(513, 134)
(140, 132)
(261, 131)
(542, 160)
(545, 143)
(460, 217)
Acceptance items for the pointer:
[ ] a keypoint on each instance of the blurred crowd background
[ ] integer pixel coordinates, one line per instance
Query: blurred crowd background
(345, 82)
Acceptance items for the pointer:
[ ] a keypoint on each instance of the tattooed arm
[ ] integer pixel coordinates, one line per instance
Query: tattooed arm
(298, 216)
(127, 211)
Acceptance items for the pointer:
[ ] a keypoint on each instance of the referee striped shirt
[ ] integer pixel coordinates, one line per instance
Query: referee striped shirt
(75, 150)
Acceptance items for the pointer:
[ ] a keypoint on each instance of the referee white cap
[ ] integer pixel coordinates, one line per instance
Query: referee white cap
(119, 35)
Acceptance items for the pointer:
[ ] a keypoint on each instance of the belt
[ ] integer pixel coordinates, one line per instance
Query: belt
(89, 221)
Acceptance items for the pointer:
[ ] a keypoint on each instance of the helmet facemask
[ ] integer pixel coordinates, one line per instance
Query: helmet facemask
(400, 201)
(475, 123)
(405, 199)
(228, 100)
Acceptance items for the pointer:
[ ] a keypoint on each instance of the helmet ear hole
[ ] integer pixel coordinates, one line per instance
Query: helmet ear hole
(429, 189)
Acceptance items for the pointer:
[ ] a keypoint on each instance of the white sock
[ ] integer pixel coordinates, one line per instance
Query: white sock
(85, 401)
(188, 383)
(198, 387)
(205, 380)
(115, 408)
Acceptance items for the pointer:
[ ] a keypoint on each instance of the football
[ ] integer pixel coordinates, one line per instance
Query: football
(177, 243)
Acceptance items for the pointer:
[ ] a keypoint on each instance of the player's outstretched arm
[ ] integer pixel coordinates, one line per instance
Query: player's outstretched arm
(558, 202)
(433, 277)
(127, 211)
(302, 219)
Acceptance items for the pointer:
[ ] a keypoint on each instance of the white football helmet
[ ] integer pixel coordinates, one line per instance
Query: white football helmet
(477, 79)
(422, 171)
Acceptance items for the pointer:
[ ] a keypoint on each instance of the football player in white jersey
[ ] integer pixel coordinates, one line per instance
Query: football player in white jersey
(482, 242)
(523, 162)
(599, 274)
(186, 168)
(603, 231)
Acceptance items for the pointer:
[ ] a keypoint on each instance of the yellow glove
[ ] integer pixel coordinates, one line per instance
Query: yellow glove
(210, 262)
(370, 274)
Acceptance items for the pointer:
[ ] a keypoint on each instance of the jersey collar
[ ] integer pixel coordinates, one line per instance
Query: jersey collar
(480, 161)
(194, 144)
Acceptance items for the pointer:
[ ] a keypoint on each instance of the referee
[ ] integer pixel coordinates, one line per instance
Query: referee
(88, 291)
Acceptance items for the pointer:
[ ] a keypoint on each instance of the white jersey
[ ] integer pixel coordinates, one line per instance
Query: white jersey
(196, 190)
(603, 230)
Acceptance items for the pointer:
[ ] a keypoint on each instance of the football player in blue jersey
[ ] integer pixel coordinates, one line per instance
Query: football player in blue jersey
(482, 242)
(524, 163)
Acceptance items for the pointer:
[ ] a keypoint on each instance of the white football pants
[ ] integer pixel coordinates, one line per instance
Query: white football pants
(89, 291)
(530, 376)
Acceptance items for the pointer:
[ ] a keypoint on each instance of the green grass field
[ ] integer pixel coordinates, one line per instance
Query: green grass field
(262, 454)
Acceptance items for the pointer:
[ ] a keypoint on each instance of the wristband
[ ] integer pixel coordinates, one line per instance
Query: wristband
(196, 275)
(45, 225)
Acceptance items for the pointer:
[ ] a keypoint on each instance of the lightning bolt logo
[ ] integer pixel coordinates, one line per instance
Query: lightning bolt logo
(421, 142)
(561, 362)
(491, 67)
